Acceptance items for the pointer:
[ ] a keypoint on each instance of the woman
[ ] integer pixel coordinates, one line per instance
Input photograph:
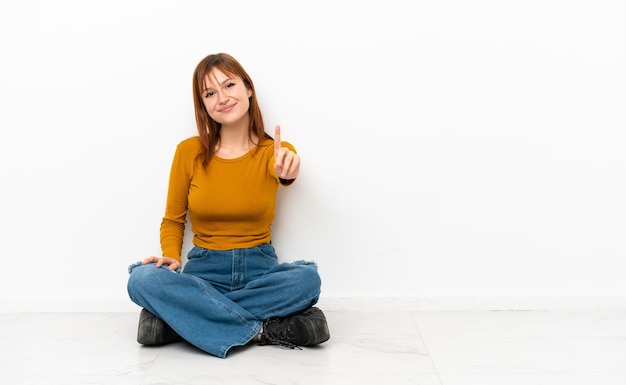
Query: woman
(232, 291)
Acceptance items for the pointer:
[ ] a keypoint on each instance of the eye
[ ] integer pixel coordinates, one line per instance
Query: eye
(208, 94)
(231, 84)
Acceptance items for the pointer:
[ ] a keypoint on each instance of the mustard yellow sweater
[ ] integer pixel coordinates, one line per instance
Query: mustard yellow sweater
(230, 203)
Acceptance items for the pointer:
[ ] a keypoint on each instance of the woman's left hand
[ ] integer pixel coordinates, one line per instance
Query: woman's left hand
(286, 162)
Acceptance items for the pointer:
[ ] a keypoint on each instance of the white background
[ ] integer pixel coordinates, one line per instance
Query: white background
(457, 154)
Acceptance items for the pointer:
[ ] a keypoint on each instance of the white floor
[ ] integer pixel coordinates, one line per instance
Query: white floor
(449, 348)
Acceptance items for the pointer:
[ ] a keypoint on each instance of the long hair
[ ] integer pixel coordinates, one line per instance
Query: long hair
(208, 129)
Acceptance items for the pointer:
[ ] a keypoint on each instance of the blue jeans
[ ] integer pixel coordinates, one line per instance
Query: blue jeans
(221, 298)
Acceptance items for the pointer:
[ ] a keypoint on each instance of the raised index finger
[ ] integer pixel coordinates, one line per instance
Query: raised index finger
(276, 139)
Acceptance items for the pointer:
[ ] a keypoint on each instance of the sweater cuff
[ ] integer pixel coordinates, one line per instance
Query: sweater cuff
(286, 182)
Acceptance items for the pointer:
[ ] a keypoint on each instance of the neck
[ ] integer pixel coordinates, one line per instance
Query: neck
(235, 140)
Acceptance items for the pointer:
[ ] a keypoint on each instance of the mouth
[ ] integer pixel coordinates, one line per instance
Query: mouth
(227, 108)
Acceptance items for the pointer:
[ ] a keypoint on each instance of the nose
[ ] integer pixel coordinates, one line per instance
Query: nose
(222, 97)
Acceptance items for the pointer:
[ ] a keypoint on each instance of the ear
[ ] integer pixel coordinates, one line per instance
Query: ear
(249, 93)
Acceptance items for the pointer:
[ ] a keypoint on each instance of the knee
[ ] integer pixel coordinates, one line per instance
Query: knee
(308, 275)
(142, 276)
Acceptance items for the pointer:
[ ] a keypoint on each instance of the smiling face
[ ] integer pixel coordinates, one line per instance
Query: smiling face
(225, 97)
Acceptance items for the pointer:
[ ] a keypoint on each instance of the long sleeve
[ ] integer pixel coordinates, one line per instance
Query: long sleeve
(173, 224)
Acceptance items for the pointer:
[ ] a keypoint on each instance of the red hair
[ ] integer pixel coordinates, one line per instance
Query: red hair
(208, 129)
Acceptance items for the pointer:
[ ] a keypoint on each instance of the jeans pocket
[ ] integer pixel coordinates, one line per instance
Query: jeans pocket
(267, 250)
(197, 254)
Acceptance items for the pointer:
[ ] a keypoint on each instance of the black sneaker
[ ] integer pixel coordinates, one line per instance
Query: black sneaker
(153, 331)
(302, 329)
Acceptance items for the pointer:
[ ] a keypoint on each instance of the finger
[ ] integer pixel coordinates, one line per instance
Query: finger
(287, 164)
(159, 263)
(279, 158)
(148, 260)
(292, 171)
(290, 164)
(277, 145)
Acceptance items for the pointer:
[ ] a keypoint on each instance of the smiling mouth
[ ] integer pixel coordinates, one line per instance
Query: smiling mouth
(228, 109)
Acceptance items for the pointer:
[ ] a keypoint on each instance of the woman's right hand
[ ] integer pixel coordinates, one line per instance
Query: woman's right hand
(171, 263)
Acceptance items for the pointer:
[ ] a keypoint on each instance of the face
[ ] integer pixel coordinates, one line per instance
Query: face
(225, 97)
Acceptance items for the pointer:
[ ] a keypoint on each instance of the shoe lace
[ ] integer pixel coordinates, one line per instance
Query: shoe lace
(278, 337)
